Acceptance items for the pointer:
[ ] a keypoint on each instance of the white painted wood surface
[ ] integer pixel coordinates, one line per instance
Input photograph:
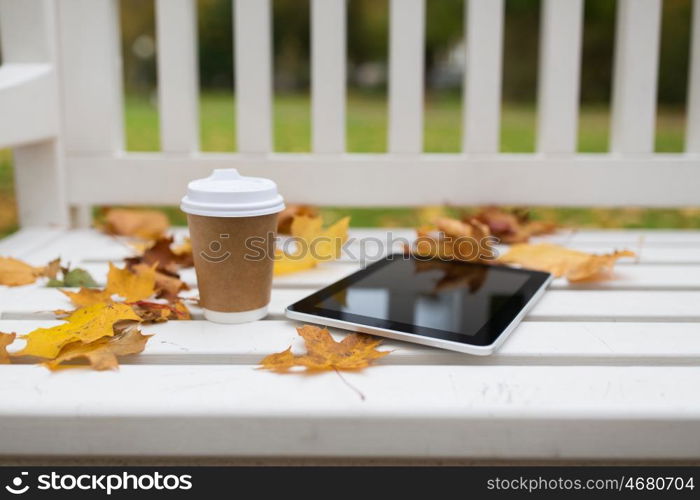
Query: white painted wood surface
(482, 77)
(178, 86)
(27, 92)
(602, 373)
(91, 68)
(692, 135)
(406, 69)
(30, 108)
(399, 180)
(328, 60)
(637, 39)
(559, 76)
(253, 61)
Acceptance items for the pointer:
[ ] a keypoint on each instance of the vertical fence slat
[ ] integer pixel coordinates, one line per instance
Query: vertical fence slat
(253, 54)
(176, 24)
(29, 35)
(692, 140)
(328, 59)
(406, 68)
(482, 78)
(559, 76)
(635, 78)
(92, 75)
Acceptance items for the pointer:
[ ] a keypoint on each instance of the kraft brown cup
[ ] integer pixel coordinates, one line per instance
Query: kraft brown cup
(233, 259)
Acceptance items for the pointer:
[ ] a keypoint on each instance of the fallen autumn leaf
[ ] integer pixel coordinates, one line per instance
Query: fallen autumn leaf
(102, 353)
(560, 261)
(14, 272)
(85, 325)
(354, 352)
(5, 340)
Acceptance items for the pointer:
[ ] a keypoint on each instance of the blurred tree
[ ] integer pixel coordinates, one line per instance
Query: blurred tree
(138, 44)
(215, 23)
(521, 49)
(675, 50)
(597, 54)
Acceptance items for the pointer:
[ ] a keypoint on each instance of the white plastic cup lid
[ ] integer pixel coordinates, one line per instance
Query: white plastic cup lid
(226, 193)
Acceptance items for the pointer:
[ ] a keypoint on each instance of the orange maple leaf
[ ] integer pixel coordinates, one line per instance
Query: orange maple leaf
(354, 352)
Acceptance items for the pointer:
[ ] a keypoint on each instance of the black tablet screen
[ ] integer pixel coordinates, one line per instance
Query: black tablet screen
(450, 300)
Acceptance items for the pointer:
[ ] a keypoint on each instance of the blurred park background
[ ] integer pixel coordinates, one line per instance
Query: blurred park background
(367, 82)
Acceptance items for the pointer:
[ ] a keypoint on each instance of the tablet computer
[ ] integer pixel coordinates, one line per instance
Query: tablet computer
(465, 307)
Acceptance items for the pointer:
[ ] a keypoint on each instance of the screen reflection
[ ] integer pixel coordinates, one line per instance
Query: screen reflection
(451, 296)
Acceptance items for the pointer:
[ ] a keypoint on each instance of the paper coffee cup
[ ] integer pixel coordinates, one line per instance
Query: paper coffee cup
(233, 221)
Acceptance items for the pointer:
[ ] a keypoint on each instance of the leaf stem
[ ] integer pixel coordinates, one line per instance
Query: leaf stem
(355, 389)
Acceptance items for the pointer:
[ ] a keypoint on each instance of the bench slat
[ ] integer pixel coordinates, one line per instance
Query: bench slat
(39, 245)
(533, 343)
(457, 411)
(37, 302)
(638, 277)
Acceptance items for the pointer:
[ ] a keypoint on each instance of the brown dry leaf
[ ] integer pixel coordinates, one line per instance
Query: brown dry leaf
(286, 216)
(5, 340)
(84, 325)
(163, 255)
(52, 269)
(354, 352)
(102, 353)
(321, 245)
(466, 241)
(155, 312)
(561, 261)
(145, 224)
(513, 226)
(14, 272)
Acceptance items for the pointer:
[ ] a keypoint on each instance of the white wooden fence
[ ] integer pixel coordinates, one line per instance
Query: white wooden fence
(61, 109)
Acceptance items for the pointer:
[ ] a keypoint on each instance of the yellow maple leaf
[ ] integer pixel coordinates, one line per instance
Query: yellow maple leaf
(84, 325)
(102, 353)
(354, 352)
(560, 261)
(14, 272)
(132, 286)
(87, 296)
(314, 245)
(5, 340)
(166, 286)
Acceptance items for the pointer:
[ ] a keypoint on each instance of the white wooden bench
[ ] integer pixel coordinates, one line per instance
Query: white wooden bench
(609, 370)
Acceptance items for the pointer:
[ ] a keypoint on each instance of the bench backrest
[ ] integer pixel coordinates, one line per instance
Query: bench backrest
(61, 109)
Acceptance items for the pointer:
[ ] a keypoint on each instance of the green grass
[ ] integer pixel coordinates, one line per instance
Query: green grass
(367, 125)
(367, 132)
